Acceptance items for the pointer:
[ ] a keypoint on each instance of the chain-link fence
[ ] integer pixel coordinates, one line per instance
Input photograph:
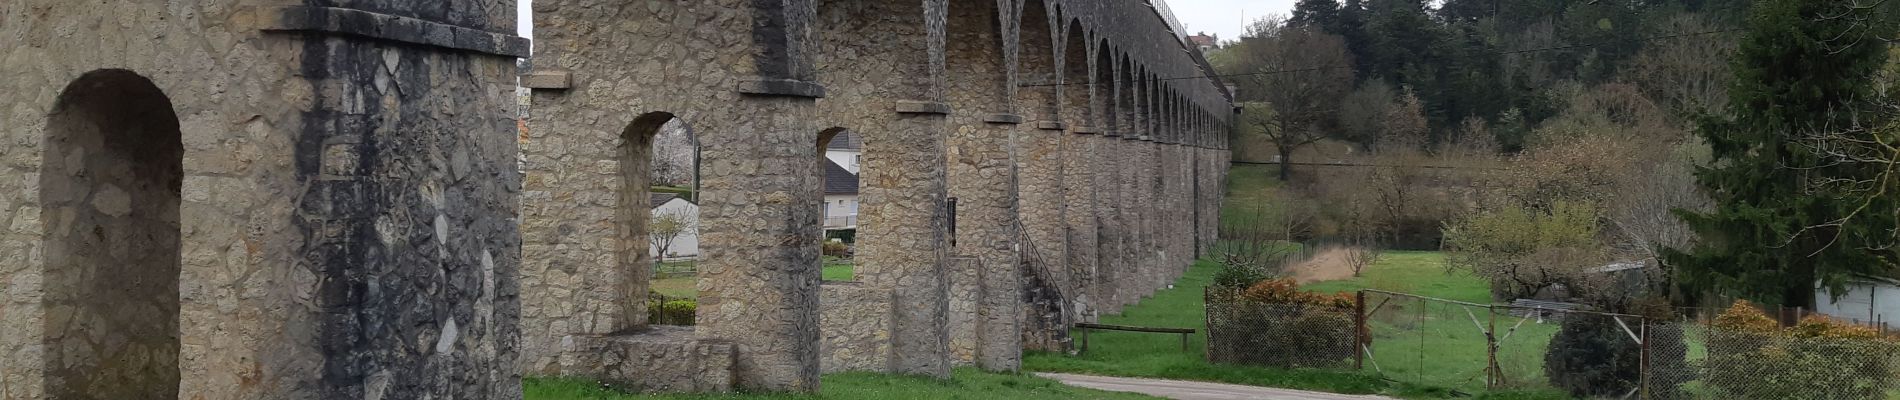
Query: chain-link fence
(1707, 358)
(1471, 347)
(1278, 334)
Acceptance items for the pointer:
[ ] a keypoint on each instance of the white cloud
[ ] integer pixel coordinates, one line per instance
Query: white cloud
(1225, 18)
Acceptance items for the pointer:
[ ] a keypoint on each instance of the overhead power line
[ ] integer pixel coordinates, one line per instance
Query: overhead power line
(1322, 68)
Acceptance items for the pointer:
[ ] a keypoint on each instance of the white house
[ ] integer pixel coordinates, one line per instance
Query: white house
(841, 197)
(686, 245)
(847, 151)
(1868, 299)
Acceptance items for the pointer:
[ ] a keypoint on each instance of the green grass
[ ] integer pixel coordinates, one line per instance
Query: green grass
(1453, 351)
(966, 384)
(836, 269)
(1437, 344)
(1249, 186)
(1416, 272)
(682, 191)
(1160, 356)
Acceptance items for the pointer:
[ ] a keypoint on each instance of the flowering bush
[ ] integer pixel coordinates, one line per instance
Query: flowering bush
(1274, 323)
(1751, 356)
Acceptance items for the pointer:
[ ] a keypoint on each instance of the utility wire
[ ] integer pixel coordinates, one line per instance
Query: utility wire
(1310, 69)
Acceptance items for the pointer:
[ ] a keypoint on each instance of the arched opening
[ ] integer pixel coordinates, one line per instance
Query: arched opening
(1104, 85)
(1076, 87)
(839, 169)
(658, 217)
(109, 191)
(973, 58)
(1036, 64)
(1127, 99)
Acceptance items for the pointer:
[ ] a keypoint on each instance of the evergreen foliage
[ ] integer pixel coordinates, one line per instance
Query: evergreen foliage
(1774, 233)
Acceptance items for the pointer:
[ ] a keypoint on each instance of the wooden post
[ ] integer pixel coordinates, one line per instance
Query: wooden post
(1085, 340)
(1491, 339)
(1359, 336)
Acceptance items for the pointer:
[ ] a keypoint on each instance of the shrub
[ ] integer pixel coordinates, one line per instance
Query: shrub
(1239, 275)
(1592, 356)
(672, 312)
(836, 248)
(1274, 323)
(1750, 356)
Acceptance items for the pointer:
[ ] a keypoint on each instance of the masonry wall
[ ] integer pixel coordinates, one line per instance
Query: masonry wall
(856, 322)
(340, 206)
(705, 64)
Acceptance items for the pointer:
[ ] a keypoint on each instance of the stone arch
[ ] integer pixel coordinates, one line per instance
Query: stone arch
(1108, 119)
(110, 193)
(1077, 89)
(844, 214)
(1127, 93)
(634, 213)
(975, 65)
(1036, 63)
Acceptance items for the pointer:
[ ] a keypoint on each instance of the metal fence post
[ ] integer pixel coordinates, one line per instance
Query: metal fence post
(1644, 367)
(1359, 335)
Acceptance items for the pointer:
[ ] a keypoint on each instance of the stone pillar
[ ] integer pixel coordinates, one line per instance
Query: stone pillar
(1106, 162)
(902, 235)
(1080, 149)
(214, 201)
(758, 283)
(982, 179)
(1128, 288)
(1040, 160)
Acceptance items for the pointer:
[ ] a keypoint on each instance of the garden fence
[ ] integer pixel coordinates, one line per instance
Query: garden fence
(1469, 347)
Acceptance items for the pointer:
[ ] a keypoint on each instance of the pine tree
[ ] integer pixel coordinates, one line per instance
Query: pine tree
(1770, 236)
(1320, 13)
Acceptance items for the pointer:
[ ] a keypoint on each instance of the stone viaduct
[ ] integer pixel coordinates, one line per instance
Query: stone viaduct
(1026, 164)
(324, 199)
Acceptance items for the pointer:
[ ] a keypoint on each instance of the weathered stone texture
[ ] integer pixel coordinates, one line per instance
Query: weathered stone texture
(340, 207)
(657, 359)
(856, 323)
(759, 177)
(874, 56)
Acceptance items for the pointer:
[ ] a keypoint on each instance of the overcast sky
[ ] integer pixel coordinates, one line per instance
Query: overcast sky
(1225, 18)
(1221, 17)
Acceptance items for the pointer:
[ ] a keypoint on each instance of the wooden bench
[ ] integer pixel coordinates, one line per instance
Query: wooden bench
(1085, 327)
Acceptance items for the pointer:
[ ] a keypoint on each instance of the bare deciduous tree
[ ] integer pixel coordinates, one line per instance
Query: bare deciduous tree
(1299, 73)
(666, 227)
(1686, 74)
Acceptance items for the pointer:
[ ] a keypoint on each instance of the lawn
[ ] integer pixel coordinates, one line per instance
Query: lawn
(1453, 351)
(967, 384)
(1417, 272)
(678, 285)
(1160, 355)
(1440, 344)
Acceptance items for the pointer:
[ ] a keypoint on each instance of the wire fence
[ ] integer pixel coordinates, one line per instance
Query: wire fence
(1470, 347)
(1287, 335)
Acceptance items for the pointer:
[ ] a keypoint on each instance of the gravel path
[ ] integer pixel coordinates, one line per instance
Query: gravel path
(1186, 390)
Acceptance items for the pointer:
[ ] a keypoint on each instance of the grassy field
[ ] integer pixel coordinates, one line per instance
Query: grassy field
(1160, 355)
(967, 384)
(1416, 272)
(836, 269)
(1448, 363)
(1439, 344)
